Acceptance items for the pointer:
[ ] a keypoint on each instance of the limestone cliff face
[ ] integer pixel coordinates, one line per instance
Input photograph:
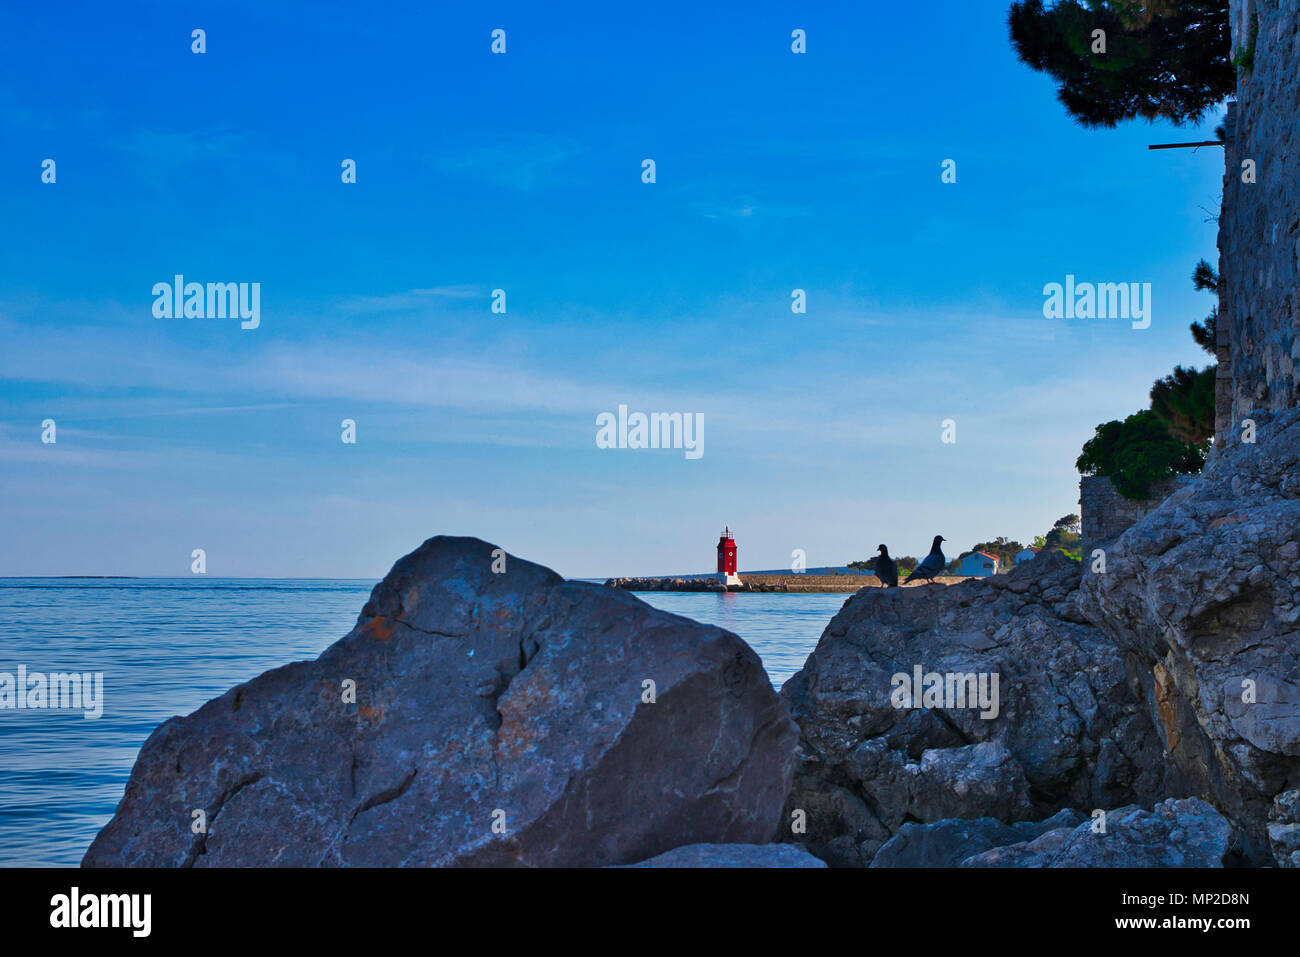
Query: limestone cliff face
(1259, 228)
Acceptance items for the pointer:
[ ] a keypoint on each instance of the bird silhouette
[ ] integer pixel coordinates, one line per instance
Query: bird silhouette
(932, 564)
(886, 569)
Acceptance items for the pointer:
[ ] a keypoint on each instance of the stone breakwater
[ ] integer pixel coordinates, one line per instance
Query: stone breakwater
(798, 584)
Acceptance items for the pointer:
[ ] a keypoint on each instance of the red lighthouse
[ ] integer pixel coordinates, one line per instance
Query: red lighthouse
(726, 553)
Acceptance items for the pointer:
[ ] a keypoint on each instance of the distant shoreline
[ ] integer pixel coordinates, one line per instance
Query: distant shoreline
(763, 584)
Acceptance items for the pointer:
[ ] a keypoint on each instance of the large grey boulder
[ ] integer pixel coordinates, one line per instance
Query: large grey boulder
(1068, 730)
(1204, 595)
(732, 856)
(499, 719)
(1177, 833)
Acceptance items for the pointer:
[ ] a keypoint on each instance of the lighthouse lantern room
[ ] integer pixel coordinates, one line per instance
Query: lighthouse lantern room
(727, 558)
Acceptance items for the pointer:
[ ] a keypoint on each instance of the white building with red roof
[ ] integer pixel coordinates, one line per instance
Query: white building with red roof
(978, 564)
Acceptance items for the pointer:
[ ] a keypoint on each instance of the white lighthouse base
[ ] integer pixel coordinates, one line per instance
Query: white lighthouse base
(727, 579)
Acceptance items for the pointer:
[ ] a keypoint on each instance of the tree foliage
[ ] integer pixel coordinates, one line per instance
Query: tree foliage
(1002, 548)
(1206, 279)
(1068, 523)
(1163, 59)
(905, 564)
(1184, 399)
(1174, 434)
(1184, 402)
(1137, 453)
(1063, 538)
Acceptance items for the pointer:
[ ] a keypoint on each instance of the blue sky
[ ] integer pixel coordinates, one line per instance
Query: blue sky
(522, 171)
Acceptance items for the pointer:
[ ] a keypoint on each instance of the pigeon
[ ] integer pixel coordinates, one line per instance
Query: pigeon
(886, 570)
(932, 564)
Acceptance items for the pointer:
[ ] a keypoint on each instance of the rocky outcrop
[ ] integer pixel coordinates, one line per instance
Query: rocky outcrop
(1177, 833)
(1204, 596)
(948, 842)
(1284, 828)
(1167, 667)
(1066, 728)
(733, 855)
(483, 711)
(1186, 833)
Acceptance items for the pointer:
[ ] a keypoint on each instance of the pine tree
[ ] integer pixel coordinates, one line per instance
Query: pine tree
(1138, 452)
(1184, 399)
(1207, 280)
(1163, 59)
(1184, 402)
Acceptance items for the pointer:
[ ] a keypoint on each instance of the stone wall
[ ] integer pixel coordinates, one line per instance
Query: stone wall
(1104, 513)
(1259, 227)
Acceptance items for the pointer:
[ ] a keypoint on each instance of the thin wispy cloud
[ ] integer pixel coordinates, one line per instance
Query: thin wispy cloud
(518, 161)
(750, 208)
(411, 298)
(524, 172)
(182, 146)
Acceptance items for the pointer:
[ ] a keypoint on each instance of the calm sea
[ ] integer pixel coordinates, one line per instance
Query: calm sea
(166, 646)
